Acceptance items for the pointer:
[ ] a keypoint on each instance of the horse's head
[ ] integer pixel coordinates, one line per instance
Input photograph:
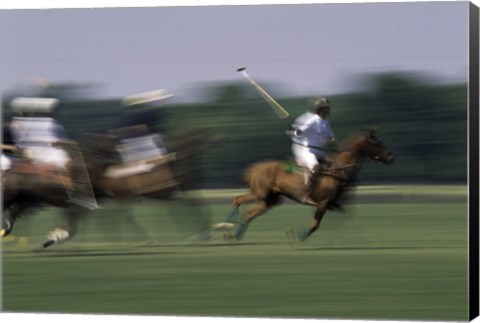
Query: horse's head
(371, 147)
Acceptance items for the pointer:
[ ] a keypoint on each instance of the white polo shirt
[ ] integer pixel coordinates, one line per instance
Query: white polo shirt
(37, 135)
(316, 132)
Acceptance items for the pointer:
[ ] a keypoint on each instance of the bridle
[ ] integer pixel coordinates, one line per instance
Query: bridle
(331, 171)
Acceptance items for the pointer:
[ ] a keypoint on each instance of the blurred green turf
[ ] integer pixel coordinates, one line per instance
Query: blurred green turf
(377, 261)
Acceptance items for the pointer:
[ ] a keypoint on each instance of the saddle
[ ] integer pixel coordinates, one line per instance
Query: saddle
(138, 177)
(292, 167)
(29, 168)
(28, 174)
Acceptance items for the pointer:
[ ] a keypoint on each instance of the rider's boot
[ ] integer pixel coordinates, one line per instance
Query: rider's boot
(308, 179)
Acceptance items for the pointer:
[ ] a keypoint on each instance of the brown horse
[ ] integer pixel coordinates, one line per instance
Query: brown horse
(159, 177)
(156, 175)
(28, 186)
(269, 180)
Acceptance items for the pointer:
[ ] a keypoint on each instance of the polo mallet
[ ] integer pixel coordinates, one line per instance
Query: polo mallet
(279, 110)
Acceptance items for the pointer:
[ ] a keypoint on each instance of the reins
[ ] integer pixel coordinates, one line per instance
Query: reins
(329, 172)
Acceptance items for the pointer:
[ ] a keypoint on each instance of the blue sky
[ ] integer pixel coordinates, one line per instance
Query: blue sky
(313, 49)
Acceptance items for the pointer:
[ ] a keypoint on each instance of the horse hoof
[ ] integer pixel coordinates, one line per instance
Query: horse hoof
(199, 238)
(48, 243)
(3, 233)
(303, 235)
(292, 236)
(228, 236)
(295, 236)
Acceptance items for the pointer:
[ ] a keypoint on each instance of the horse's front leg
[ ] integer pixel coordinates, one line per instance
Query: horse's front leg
(7, 223)
(317, 218)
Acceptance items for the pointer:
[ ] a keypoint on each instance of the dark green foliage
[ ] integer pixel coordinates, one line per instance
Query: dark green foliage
(424, 124)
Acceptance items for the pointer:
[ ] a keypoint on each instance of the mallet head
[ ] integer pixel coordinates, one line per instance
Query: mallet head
(241, 69)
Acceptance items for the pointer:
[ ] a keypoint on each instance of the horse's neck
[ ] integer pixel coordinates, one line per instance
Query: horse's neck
(346, 162)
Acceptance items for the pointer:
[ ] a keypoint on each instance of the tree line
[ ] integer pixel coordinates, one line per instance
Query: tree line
(423, 123)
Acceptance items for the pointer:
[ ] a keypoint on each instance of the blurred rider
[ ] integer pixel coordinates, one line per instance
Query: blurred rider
(311, 136)
(142, 109)
(8, 146)
(34, 130)
(139, 128)
(37, 135)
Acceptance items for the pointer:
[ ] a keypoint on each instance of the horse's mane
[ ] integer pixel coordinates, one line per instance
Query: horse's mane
(348, 142)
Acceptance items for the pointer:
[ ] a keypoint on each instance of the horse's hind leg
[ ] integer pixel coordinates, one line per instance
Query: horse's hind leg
(232, 217)
(248, 217)
(260, 208)
(244, 221)
(237, 201)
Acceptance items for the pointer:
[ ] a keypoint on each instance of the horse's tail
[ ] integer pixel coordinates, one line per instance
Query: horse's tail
(252, 171)
(247, 175)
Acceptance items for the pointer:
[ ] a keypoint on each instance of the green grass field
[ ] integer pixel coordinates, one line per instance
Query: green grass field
(395, 261)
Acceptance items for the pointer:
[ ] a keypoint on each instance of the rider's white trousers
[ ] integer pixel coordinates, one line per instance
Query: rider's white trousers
(307, 157)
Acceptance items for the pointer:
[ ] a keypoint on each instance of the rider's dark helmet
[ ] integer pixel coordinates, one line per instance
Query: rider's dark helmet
(320, 104)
